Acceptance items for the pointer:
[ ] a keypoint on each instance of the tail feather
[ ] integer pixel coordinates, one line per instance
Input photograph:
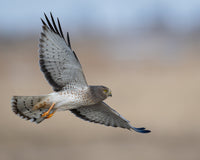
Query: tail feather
(23, 107)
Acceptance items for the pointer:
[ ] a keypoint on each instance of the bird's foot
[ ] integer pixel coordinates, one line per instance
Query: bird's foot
(50, 115)
(47, 113)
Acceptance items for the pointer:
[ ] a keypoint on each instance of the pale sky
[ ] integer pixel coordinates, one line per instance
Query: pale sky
(24, 16)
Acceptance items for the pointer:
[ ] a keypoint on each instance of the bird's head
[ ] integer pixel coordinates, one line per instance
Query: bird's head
(100, 92)
(106, 91)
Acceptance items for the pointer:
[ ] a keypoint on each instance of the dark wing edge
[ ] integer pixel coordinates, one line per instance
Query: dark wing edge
(53, 27)
(19, 113)
(125, 124)
(57, 30)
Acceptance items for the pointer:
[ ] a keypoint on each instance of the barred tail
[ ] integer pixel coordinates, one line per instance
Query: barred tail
(23, 107)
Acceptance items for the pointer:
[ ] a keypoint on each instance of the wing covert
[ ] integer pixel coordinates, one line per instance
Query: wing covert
(103, 114)
(58, 62)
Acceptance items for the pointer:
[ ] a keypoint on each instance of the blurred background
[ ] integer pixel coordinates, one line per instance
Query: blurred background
(147, 52)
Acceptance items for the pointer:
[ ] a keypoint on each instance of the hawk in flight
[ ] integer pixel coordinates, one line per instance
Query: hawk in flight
(64, 73)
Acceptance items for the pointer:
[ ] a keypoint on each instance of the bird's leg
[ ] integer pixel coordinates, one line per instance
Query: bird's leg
(46, 114)
(50, 115)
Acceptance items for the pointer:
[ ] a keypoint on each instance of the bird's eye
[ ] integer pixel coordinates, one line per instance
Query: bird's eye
(105, 90)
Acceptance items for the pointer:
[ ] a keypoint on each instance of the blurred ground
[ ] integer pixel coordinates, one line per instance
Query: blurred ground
(161, 96)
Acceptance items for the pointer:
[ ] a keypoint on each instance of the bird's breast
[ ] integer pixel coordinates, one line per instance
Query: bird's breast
(71, 99)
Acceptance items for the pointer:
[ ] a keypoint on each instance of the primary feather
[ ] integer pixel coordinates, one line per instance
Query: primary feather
(58, 62)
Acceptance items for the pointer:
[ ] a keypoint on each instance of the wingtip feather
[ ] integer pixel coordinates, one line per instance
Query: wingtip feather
(140, 130)
(68, 40)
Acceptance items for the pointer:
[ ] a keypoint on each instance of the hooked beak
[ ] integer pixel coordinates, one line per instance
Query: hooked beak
(110, 93)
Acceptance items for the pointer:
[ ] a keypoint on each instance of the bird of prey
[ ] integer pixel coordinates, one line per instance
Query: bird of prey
(63, 71)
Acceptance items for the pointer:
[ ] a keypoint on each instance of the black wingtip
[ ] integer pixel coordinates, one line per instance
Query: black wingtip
(45, 15)
(43, 22)
(141, 130)
(68, 40)
(60, 29)
(49, 23)
(54, 24)
(56, 29)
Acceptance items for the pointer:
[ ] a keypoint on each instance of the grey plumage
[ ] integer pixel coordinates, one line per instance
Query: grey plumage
(64, 73)
(22, 106)
(103, 114)
(58, 62)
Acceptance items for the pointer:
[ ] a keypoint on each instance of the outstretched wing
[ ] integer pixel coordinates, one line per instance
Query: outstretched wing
(58, 62)
(103, 114)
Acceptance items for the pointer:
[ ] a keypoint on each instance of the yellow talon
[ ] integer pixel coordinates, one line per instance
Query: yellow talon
(46, 114)
(50, 115)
